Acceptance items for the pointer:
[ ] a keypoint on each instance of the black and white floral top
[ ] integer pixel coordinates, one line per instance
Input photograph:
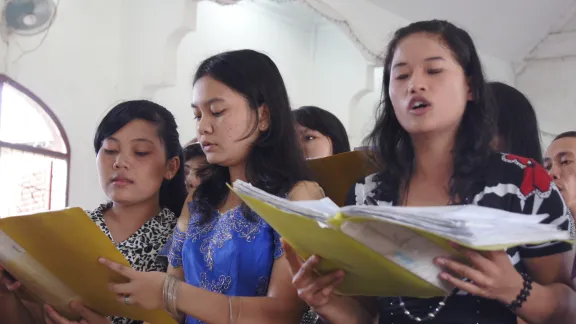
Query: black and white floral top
(514, 184)
(146, 249)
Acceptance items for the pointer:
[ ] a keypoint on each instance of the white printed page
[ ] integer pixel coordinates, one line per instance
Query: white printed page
(402, 246)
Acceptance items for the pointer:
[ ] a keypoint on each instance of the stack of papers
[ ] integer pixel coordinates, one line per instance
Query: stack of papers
(389, 251)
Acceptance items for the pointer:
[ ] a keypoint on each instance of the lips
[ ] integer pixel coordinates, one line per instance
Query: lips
(207, 146)
(418, 102)
(119, 180)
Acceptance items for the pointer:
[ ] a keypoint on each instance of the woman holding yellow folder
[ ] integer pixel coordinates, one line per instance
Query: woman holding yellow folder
(227, 264)
(432, 140)
(139, 163)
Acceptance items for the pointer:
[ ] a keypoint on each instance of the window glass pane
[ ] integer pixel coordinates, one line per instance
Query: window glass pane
(23, 121)
(30, 182)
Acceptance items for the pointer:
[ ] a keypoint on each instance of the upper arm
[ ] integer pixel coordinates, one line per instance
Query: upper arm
(184, 218)
(306, 190)
(177, 241)
(281, 284)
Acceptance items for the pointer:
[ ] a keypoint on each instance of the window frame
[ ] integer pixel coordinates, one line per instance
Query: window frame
(38, 150)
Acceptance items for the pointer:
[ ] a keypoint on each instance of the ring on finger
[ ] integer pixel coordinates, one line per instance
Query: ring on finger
(127, 300)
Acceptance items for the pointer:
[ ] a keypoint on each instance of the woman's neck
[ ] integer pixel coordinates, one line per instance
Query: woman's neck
(236, 173)
(433, 161)
(134, 215)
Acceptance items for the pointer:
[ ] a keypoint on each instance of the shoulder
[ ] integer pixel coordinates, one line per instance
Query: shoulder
(167, 218)
(97, 214)
(306, 190)
(524, 177)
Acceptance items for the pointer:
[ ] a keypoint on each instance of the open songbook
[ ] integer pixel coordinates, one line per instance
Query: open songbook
(389, 251)
(55, 257)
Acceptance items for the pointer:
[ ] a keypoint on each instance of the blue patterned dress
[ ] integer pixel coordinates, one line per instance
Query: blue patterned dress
(229, 254)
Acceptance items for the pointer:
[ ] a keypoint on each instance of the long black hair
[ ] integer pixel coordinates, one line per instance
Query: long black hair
(326, 123)
(275, 162)
(172, 192)
(518, 131)
(393, 150)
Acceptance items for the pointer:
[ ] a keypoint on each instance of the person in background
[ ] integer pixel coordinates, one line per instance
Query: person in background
(194, 159)
(518, 131)
(139, 166)
(560, 161)
(227, 264)
(433, 141)
(320, 133)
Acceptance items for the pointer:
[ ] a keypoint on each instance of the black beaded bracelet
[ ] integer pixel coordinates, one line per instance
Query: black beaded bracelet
(524, 293)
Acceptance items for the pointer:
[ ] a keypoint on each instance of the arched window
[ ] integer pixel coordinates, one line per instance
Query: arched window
(34, 153)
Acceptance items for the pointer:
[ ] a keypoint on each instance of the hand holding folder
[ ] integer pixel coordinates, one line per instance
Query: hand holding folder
(55, 257)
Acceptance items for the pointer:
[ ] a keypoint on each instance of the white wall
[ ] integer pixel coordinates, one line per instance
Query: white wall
(75, 72)
(289, 45)
(100, 52)
(551, 87)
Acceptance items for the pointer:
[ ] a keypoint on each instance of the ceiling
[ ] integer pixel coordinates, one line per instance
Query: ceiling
(512, 30)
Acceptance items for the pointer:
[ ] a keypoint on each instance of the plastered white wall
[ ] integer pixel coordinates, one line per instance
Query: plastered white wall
(98, 53)
(551, 87)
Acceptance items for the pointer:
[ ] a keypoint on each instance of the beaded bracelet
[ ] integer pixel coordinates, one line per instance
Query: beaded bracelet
(524, 293)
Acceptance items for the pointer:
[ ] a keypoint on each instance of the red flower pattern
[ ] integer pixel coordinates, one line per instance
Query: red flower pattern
(535, 179)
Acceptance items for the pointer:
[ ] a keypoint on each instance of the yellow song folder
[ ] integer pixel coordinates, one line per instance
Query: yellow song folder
(55, 256)
(389, 251)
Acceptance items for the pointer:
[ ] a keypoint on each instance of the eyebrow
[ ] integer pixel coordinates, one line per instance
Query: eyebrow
(433, 58)
(208, 102)
(133, 140)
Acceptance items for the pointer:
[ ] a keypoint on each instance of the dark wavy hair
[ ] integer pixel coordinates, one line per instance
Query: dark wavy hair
(275, 162)
(172, 192)
(518, 131)
(326, 123)
(393, 150)
(193, 150)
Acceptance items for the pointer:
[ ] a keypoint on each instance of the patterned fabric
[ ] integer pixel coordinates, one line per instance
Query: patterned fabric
(143, 249)
(514, 184)
(229, 254)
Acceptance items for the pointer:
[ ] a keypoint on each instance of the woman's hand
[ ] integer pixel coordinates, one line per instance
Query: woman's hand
(143, 290)
(313, 289)
(7, 283)
(88, 316)
(491, 274)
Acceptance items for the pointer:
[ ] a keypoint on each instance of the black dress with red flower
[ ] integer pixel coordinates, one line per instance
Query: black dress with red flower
(514, 184)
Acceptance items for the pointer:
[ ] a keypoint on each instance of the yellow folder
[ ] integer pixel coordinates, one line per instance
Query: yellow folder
(55, 256)
(336, 174)
(368, 273)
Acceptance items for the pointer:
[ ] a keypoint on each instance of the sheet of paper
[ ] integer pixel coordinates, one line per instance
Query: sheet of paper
(404, 247)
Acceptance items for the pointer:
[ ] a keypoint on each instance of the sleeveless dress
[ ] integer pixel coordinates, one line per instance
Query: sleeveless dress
(514, 184)
(229, 254)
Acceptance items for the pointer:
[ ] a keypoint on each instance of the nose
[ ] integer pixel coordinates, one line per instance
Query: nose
(554, 172)
(417, 82)
(120, 162)
(204, 125)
